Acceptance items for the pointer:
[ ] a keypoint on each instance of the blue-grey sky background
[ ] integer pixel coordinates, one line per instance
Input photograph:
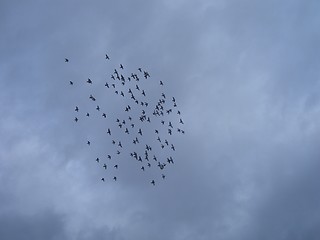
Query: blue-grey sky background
(246, 77)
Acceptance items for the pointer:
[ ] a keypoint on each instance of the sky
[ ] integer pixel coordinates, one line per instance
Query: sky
(246, 78)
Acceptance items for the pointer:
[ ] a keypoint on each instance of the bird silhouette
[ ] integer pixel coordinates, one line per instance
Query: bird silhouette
(66, 60)
(92, 98)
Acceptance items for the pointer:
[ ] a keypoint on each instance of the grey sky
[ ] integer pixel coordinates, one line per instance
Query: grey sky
(246, 77)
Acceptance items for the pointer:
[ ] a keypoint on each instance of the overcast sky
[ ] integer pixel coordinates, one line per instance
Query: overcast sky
(246, 77)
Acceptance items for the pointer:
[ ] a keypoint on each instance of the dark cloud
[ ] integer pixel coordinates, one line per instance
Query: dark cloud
(245, 76)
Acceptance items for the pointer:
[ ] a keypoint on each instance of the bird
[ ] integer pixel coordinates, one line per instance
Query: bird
(97, 159)
(115, 166)
(89, 81)
(121, 66)
(107, 57)
(92, 97)
(161, 83)
(170, 160)
(181, 121)
(98, 108)
(104, 115)
(87, 114)
(105, 166)
(102, 179)
(153, 182)
(109, 131)
(140, 131)
(107, 85)
(163, 176)
(140, 70)
(142, 168)
(76, 119)
(115, 178)
(109, 156)
(66, 60)
(88, 142)
(71, 83)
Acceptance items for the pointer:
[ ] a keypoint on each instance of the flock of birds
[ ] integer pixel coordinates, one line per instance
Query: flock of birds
(142, 130)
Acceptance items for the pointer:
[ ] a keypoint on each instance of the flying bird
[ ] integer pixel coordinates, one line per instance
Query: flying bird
(66, 60)
(92, 98)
